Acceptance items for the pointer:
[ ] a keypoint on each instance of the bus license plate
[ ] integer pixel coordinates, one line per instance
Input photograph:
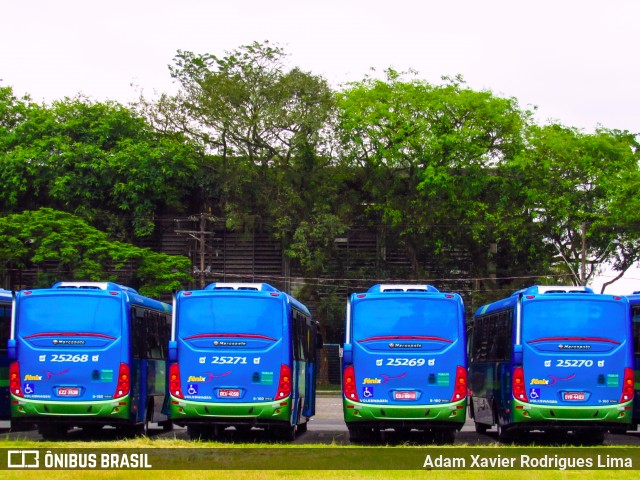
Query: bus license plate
(574, 396)
(405, 395)
(229, 393)
(68, 391)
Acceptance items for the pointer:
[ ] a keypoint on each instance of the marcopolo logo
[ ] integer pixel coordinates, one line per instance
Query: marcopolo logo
(23, 459)
(68, 342)
(568, 346)
(405, 345)
(222, 343)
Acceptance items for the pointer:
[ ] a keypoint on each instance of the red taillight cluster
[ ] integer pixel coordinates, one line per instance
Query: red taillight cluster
(14, 380)
(124, 381)
(627, 386)
(284, 383)
(460, 387)
(174, 381)
(349, 384)
(517, 385)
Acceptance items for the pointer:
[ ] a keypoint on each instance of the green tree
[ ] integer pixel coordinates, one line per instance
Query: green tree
(428, 157)
(64, 247)
(580, 189)
(98, 160)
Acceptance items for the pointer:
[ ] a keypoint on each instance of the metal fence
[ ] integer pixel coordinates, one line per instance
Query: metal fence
(329, 366)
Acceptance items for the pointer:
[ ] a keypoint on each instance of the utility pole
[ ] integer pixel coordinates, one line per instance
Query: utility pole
(583, 266)
(200, 236)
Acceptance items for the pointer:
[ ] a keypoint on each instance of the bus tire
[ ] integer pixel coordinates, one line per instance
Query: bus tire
(592, 437)
(287, 433)
(53, 431)
(504, 436)
(167, 426)
(481, 427)
(302, 428)
(446, 436)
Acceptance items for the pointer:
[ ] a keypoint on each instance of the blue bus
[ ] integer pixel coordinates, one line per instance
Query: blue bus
(634, 301)
(404, 362)
(5, 328)
(88, 354)
(242, 355)
(552, 358)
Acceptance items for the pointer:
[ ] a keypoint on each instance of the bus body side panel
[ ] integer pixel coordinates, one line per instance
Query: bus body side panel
(69, 375)
(5, 328)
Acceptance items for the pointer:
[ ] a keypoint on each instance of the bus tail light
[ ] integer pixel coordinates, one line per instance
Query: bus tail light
(174, 380)
(518, 388)
(460, 387)
(284, 383)
(124, 381)
(627, 386)
(349, 384)
(14, 380)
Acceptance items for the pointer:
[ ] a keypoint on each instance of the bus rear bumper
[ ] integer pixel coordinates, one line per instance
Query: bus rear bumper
(187, 412)
(108, 412)
(529, 416)
(446, 415)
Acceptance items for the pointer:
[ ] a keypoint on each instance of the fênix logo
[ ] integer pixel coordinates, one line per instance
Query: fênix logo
(23, 459)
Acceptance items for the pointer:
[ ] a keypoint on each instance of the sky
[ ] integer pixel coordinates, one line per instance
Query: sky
(574, 61)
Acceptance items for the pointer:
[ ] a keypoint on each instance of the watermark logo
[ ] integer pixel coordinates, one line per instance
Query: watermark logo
(23, 459)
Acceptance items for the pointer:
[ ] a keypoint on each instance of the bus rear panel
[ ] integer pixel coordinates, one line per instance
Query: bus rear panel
(569, 367)
(74, 359)
(404, 361)
(242, 359)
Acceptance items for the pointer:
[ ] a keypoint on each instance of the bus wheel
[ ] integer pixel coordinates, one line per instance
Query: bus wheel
(167, 426)
(504, 436)
(481, 427)
(53, 432)
(358, 434)
(303, 427)
(595, 437)
(287, 433)
(195, 432)
(442, 437)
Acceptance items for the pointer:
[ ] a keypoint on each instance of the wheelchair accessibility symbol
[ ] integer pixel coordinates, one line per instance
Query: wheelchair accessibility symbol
(192, 389)
(534, 393)
(367, 392)
(28, 388)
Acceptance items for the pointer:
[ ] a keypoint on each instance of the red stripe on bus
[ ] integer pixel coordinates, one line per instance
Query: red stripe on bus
(574, 339)
(230, 335)
(70, 334)
(404, 337)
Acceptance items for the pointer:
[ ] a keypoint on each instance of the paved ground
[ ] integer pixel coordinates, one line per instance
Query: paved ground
(327, 427)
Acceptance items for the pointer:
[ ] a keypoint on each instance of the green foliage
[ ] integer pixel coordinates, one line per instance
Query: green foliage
(97, 160)
(67, 248)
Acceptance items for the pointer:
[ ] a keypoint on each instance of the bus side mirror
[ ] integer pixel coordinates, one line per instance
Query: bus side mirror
(12, 350)
(517, 354)
(347, 354)
(173, 351)
(319, 341)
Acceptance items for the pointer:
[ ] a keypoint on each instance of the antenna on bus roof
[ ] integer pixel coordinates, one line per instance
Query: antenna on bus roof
(381, 288)
(93, 286)
(256, 287)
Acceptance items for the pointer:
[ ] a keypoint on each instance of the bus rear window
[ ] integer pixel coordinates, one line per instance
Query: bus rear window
(230, 315)
(70, 314)
(405, 316)
(573, 318)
